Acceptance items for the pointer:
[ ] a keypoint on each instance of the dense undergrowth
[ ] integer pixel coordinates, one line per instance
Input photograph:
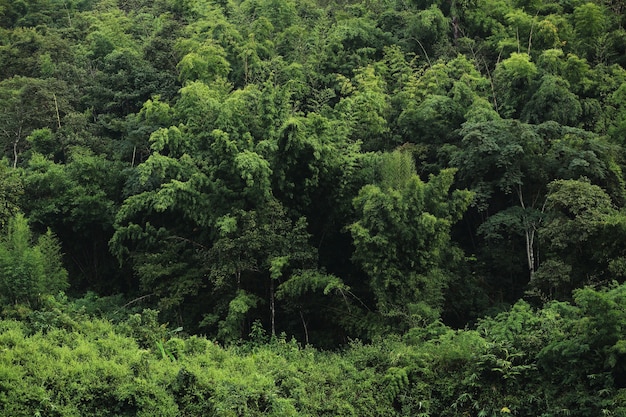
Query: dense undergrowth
(339, 208)
(563, 359)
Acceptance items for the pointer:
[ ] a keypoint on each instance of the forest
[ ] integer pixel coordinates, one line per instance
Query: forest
(312, 208)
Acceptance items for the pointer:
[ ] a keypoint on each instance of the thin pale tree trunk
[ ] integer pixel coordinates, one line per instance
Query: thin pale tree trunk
(272, 308)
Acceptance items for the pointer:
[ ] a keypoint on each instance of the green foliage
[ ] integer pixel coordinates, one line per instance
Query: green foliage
(553, 101)
(28, 104)
(513, 78)
(231, 328)
(204, 63)
(11, 190)
(402, 238)
(365, 107)
(78, 201)
(590, 352)
(579, 214)
(434, 102)
(231, 164)
(511, 164)
(513, 363)
(29, 269)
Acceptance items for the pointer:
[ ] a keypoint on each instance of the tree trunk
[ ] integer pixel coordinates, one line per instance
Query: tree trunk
(15, 142)
(306, 330)
(272, 308)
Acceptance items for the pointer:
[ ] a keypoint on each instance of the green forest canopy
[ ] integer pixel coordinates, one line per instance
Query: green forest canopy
(380, 171)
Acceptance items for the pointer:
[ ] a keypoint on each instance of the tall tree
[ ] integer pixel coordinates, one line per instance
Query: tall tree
(28, 104)
(402, 239)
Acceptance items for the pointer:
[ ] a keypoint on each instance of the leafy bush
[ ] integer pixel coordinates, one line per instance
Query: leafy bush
(29, 269)
(522, 362)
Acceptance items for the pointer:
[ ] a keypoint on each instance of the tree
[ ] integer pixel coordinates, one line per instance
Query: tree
(554, 101)
(28, 104)
(78, 201)
(435, 102)
(590, 23)
(208, 165)
(366, 106)
(123, 82)
(513, 79)
(425, 31)
(255, 252)
(509, 165)
(29, 269)
(573, 236)
(351, 43)
(11, 190)
(204, 63)
(281, 14)
(505, 160)
(402, 239)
